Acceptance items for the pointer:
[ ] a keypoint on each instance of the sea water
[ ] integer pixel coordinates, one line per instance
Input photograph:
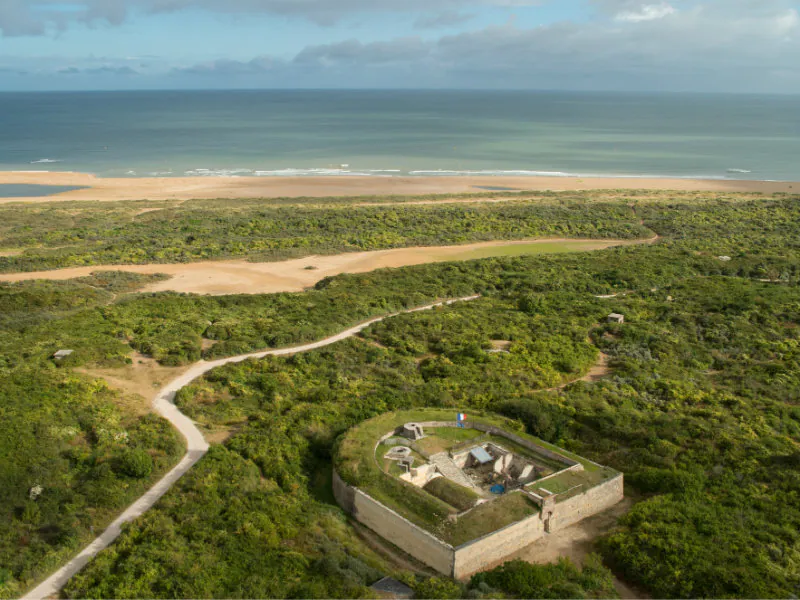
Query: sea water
(23, 190)
(393, 133)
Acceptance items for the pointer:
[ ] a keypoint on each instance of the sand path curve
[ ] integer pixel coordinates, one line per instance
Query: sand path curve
(197, 446)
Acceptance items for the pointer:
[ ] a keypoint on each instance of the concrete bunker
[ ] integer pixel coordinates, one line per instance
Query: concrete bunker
(466, 495)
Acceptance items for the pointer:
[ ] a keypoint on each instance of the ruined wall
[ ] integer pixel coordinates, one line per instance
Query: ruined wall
(421, 476)
(398, 530)
(494, 547)
(593, 501)
(524, 443)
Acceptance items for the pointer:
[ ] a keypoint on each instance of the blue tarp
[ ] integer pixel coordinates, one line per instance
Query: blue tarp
(498, 489)
(481, 455)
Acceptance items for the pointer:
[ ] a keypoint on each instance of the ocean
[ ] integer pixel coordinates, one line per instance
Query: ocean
(392, 133)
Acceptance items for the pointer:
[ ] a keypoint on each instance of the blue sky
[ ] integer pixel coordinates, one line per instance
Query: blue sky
(652, 45)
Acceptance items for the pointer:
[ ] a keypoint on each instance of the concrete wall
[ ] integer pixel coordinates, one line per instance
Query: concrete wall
(397, 529)
(593, 501)
(491, 549)
(344, 494)
(494, 547)
(524, 443)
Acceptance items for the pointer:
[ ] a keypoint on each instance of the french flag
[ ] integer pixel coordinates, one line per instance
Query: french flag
(462, 417)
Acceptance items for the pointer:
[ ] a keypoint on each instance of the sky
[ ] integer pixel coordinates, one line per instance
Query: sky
(738, 46)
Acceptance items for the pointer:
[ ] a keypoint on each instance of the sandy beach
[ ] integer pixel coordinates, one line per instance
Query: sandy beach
(186, 188)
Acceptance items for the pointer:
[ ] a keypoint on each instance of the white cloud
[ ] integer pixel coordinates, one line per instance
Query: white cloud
(648, 12)
(703, 45)
(36, 17)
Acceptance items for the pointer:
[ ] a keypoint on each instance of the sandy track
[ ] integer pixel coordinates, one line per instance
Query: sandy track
(184, 188)
(196, 446)
(242, 277)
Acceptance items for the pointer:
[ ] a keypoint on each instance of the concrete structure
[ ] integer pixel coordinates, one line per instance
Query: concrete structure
(413, 431)
(557, 511)
(616, 318)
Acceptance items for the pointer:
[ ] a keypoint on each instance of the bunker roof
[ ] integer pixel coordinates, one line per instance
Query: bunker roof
(481, 455)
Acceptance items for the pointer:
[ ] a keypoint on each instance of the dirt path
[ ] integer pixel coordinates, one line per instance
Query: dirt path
(596, 373)
(242, 277)
(196, 446)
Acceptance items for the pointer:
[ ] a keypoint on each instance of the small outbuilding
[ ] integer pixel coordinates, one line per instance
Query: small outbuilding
(389, 587)
(616, 318)
(413, 431)
(62, 354)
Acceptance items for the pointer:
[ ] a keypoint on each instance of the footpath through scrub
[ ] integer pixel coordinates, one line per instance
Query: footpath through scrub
(196, 446)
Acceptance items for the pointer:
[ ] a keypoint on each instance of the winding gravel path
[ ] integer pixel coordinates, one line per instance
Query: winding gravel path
(196, 446)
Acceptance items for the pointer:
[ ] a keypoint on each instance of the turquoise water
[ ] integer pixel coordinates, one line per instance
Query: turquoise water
(388, 133)
(22, 190)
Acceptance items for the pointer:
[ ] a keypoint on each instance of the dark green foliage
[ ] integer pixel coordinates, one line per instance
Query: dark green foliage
(519, 579)
(700, 410)
(136, 463)
(222, 532)
(438, 587)
(204, 230)
(543, 419)
(63, 433)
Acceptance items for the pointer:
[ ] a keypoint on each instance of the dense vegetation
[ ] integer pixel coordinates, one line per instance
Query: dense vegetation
(66, 238)
(71, 453)
(519, 579)
(700, 412)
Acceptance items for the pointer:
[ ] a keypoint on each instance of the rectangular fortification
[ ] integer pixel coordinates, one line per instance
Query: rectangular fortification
(410, 538)
(579, 490)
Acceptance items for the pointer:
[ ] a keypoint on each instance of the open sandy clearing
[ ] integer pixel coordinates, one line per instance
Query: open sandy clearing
(242, 277)
(183, 188)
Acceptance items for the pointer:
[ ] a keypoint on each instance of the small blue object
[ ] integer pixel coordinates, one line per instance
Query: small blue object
(498, 489)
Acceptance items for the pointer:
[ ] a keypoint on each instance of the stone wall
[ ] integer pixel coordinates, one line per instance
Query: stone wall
(591, 502)
(397, 529)
(494, 547)
(344, 494)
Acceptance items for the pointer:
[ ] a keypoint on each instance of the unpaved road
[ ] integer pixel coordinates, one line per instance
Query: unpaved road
(242, 277)
(196, 446)
(599, 370)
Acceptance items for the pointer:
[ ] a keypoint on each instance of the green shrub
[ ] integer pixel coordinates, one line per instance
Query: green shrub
(136, 463)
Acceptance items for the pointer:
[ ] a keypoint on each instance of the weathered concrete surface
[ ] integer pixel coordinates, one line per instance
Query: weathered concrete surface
(462, 561)
(196, 446)
(478, 554)
(393, 527)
